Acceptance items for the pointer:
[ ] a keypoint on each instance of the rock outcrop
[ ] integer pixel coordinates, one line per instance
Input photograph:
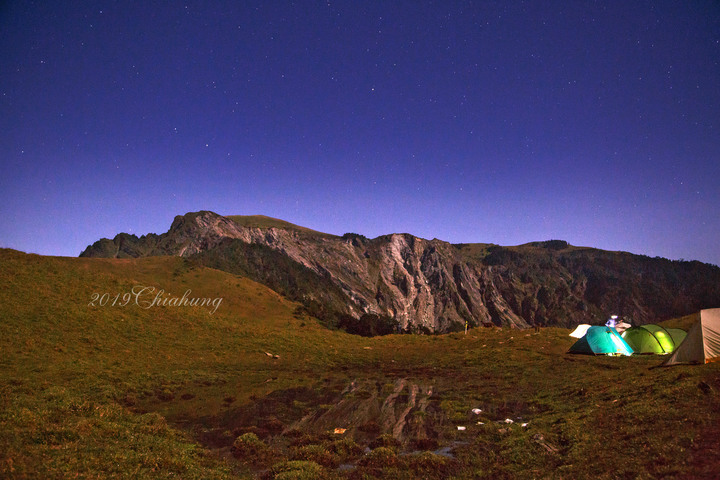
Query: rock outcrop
(435, 286)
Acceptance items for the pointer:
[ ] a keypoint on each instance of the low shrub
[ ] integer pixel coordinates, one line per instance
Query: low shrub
(318, 454)
(386, 440)
(297, 470)
(249, 448)
(381, 457)
(431, 465)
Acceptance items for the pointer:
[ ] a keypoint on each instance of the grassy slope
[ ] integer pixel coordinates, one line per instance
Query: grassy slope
(683, 322)
(103, 391)
(67, 367)
(262, 221)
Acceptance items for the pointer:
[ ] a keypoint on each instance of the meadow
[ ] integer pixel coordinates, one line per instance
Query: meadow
(96, 382)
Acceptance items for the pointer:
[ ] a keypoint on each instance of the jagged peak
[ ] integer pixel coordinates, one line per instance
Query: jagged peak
(180, 220)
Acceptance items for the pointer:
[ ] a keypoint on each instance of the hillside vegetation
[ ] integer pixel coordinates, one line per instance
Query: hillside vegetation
(257, 388)
(262, 221)
(571, 282)
(402, 282)
(321, 297)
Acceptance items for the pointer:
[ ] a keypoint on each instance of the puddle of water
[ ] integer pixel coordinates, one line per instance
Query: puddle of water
(408, 410)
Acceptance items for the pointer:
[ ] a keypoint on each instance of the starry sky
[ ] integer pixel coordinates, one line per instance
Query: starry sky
(595, 122)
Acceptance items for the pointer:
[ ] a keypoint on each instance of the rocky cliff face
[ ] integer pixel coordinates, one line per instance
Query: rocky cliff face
(431, 285)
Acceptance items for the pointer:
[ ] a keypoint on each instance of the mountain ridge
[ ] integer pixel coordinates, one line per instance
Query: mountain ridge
(432, 285)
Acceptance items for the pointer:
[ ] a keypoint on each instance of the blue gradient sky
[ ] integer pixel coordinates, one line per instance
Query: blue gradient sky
(505, 122)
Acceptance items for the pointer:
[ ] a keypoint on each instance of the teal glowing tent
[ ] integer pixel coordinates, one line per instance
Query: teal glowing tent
(601, 341)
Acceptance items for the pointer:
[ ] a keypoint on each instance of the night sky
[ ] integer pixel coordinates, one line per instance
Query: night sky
(491, 121)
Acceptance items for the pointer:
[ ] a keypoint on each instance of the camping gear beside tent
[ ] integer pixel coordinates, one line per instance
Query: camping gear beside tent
(580, 331)
(649, 339)
(702, 343)
(601, 341)
(622, 326)
(619, 325)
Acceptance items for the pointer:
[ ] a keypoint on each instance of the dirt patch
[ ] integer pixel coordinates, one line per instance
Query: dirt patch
(705, 458)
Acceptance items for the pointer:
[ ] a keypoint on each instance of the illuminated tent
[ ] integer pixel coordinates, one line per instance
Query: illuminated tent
(663, 336)
(677, 334)
(649, 339)
(643, 341)
(601, 341)
(580, 331)
(702, 343)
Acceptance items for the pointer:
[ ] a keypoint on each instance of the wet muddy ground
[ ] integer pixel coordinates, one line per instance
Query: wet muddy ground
(410, 415)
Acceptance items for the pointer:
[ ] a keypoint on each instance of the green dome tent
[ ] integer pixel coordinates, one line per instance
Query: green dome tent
(663, 336)
(677, 334)
(601, 341)
(651, 339)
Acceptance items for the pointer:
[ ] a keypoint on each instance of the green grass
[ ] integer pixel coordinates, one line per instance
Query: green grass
(683, 322)
(262, 221)
(107, 392)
